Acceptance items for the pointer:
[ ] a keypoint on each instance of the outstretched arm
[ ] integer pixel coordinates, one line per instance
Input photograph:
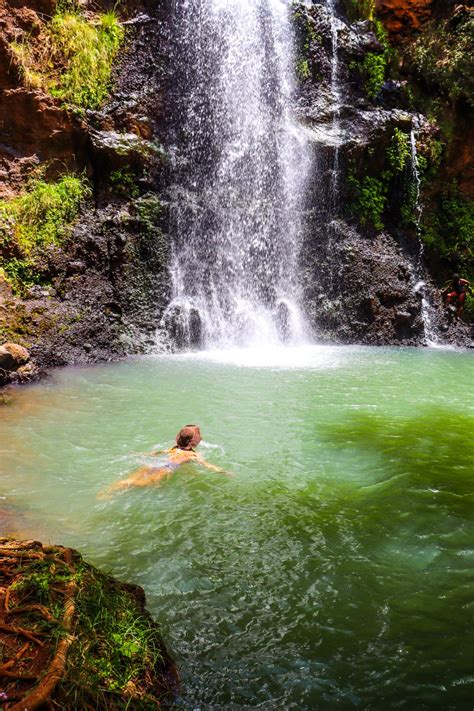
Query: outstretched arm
(212, 467)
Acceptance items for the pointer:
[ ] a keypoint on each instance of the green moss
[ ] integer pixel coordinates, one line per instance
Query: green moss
(116, 659)
(469, 304)
(73, 59)
(307, 39)
(302, 68)
(116, 644)
(430, 155)
(33, 222)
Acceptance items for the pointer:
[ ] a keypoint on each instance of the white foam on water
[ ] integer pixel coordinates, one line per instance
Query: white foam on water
(273, 356)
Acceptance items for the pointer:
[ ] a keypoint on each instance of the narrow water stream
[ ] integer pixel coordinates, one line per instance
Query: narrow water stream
(335, 569)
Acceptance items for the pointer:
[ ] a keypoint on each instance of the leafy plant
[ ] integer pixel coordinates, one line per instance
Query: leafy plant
(42, 215)
(364, 9)
(374, 69)
(149, 210)
(399, 150)
(442, 56)
(124, 182)
(448, 231)
(370, 198)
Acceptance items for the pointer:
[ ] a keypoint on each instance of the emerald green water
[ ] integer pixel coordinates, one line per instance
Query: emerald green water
(334, 570)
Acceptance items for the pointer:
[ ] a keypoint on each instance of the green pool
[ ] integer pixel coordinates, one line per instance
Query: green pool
(335, 569)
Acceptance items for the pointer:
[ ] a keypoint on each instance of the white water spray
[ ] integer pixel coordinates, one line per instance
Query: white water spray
(242, 171)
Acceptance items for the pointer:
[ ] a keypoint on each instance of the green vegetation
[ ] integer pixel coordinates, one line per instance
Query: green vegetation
(370, 198)
(307, 38)
(448, 231)
(33, 222)
(360, 9)
(116, 645)
(399, 151)
(371, 194)
(374, 69)
(149, 210)
(442, 56)
(302, 68)
(430, 154)
(72, 57)
(124, 182)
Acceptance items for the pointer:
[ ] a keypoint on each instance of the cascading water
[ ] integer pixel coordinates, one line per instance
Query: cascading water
(241, 166)
(427, 311)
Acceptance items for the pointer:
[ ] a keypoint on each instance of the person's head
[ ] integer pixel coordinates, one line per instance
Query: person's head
(456, 277)
(188, 437)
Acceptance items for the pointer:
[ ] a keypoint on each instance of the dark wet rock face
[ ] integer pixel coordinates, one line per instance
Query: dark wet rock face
(106, 287)
(364, 273)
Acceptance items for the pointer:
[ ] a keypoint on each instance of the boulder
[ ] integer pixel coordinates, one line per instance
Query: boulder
(13, 356)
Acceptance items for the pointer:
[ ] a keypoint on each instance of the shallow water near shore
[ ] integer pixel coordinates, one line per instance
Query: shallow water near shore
(335, 569)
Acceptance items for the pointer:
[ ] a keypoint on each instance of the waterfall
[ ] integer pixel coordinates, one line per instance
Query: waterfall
(241, 163)
(427, 310)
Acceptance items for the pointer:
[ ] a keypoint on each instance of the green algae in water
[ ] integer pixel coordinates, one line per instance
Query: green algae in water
(334, 570)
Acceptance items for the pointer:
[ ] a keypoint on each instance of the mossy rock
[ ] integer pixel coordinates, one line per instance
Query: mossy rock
(75, 638)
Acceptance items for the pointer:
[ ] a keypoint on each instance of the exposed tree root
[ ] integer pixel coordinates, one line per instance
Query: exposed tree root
(72, 617)
(20, 631)
(16, 675)
(42, 693)
(41, 609)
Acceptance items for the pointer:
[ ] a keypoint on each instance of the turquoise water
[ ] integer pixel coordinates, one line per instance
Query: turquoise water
(335, 569)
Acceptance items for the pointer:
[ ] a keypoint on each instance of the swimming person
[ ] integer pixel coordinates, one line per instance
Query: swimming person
(183, 452)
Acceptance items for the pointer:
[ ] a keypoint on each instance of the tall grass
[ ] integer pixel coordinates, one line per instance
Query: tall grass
(72, 60)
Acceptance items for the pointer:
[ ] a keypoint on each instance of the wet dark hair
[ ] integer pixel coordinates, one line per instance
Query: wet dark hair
(188, 437)
(456, 277)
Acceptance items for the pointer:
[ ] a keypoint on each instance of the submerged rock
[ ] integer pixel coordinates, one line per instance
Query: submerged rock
(75, 638)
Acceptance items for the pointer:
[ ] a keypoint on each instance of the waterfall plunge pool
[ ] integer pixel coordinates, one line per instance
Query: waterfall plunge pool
(334, 570)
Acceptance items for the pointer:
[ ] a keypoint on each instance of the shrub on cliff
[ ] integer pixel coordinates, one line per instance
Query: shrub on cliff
(72, 57)
(448, 230)
(443, 54)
